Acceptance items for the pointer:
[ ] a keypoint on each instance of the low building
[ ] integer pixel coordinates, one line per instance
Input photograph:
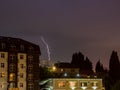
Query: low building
(78, 84)
(72, 84)
(66, 70)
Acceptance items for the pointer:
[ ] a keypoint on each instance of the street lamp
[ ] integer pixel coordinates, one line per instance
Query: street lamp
(54, 68)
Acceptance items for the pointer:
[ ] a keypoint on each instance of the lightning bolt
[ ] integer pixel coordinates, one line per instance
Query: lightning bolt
(47, 47)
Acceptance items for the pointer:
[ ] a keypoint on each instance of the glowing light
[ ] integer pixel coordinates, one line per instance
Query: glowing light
(72, 84)
(61, 84)
(53, 68)
(94, 87)
(65, 74)
(78, 75)
(83, 87)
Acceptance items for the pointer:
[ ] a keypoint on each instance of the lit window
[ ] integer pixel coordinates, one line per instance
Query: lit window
(11, 77)
(61, 84)
(2, 74)
(72, 84)
(94, 83)
(84, 84)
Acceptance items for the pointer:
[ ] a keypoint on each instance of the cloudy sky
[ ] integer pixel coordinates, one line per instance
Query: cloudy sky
(89, 26)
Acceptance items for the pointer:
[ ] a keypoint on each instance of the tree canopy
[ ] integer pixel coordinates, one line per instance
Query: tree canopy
(83, 63)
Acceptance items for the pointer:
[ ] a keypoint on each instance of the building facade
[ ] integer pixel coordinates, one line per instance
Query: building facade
(19, 64)
(78, 84)
(66, 70)
(72, 84)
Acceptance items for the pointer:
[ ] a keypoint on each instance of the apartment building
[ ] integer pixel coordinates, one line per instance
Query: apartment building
(19, 64)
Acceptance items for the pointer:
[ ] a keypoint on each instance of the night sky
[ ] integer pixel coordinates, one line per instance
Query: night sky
(68, 26)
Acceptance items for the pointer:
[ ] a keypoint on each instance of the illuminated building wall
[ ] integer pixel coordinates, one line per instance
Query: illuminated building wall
(22, 58)
(19, 64)
(78, 84)
(3, 70)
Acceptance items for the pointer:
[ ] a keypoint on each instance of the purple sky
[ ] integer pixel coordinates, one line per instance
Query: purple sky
(68, 26)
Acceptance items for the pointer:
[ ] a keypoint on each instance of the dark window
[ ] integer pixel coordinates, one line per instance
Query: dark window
(21, 75)
(72, 70)
(12, 57)
(30, 48)
(21, 84)
(2, 65)
(30, 77)
(30, 59)
(21, 66)
(30, 86)
(13, 47)
(22, 47)
(2, 55)
(21, 57)
(3, 45)
(12, 67)
(30, 68)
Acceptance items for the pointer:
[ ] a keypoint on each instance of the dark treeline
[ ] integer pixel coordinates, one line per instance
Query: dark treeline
(83, 63)
(111, 77)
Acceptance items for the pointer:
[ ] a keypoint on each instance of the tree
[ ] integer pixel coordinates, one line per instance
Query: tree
(116, 86)
(75, 59)
(99, 67)
(85, 65)
(88, 64)
(45, 73)
(78, 60)
(114, 67)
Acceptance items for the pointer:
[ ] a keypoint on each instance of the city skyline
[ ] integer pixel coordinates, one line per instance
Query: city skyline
(91, 27)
